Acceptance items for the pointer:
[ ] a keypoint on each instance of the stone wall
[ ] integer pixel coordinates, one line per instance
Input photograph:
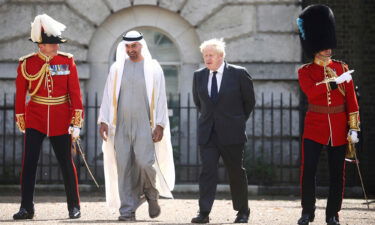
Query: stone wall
(260, 35)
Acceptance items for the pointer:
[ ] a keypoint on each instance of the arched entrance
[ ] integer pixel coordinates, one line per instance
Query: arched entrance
(163, 49)
(155, 22)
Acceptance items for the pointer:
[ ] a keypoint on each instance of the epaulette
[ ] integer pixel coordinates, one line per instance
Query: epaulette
(26, 56)
(305, 65)
(65, 54)
(343, 64)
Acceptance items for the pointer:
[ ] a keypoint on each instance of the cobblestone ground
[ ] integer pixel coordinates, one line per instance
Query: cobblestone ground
(51, 209)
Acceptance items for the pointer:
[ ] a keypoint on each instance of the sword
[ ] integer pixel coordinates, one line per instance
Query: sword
(360, 178)
(327, 80)
(77, 141)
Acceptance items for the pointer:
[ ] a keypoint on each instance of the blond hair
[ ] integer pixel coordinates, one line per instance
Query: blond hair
(216, 43)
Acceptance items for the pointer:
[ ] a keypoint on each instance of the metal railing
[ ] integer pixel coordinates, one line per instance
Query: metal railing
(272, 153)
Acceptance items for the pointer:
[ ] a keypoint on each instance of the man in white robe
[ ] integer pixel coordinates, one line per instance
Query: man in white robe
(134, 124)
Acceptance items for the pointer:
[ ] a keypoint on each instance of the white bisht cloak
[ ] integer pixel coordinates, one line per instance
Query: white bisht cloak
(155, 85)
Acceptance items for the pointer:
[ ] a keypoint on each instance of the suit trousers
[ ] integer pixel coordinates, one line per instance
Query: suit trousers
(232, 156)
(62, 148)
(336, 162)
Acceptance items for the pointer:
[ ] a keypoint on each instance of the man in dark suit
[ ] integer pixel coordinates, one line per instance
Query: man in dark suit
(224, 96)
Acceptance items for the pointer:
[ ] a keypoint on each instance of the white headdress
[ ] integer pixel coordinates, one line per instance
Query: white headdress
(128, 38)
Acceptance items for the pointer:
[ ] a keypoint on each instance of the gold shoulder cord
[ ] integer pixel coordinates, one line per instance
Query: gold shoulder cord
(41, 74)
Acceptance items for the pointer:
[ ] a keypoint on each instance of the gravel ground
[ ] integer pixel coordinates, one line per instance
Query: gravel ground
(51, 208)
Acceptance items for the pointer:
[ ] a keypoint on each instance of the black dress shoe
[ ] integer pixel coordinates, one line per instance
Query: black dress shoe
(129, 218)
(74, 213)
(332, 221)
(242, 217)
(306, 218)
(201, 218)
(23, 214)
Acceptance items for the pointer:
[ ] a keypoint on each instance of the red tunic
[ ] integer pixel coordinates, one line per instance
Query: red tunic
(52, 120)
(326, 127)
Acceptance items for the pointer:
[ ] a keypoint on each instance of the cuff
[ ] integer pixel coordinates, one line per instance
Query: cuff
(20, 120)
(77, 119)
(354, 121)
(160, 124)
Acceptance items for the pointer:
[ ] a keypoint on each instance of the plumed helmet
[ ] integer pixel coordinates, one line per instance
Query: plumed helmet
(316, 25)
(46, 30)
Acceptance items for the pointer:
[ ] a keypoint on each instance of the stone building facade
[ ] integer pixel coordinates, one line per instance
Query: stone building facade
(261, 35)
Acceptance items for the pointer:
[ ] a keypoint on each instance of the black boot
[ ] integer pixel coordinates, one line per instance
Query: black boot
(306, 218)
(74, 213)
(24, 214)
(332, 220)
(201, 218)
(242, 216)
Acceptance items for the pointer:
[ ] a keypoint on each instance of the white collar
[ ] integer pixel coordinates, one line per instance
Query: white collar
(220, 70)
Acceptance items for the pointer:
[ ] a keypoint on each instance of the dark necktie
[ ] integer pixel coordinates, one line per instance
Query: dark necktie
(214, 92)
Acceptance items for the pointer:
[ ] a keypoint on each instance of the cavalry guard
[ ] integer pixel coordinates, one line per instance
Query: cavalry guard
(54, 109)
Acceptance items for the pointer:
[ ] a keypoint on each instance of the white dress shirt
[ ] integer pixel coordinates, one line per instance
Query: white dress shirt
(219, 77)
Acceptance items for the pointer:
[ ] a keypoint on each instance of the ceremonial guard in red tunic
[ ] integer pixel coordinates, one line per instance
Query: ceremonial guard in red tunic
(332, 118)
(54, 109)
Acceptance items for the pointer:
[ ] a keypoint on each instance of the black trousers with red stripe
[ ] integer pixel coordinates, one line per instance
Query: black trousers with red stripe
(336, 160)
(62, 148)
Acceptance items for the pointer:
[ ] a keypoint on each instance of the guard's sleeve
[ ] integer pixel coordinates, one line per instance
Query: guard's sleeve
(20, 104)
(75, 95)
(352, 107)
(21, 91)
(309, 86)
(247, 92)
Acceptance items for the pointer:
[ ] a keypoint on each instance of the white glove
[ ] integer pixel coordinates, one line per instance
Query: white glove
(353, 135)
(344, 77)
(74, 131)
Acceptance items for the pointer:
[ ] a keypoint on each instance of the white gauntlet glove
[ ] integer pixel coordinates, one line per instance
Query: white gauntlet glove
(74, 131)
(344, 77)
(353, 135)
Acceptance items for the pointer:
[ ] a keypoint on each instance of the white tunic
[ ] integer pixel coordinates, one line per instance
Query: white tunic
(164, 166)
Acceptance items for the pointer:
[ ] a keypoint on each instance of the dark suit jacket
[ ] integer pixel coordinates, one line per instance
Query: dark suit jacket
(229, 114)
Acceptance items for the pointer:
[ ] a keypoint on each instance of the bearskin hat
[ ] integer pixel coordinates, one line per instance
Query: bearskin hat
(316, 25)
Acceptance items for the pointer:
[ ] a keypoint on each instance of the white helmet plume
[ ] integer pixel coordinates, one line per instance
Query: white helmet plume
(50, 27)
